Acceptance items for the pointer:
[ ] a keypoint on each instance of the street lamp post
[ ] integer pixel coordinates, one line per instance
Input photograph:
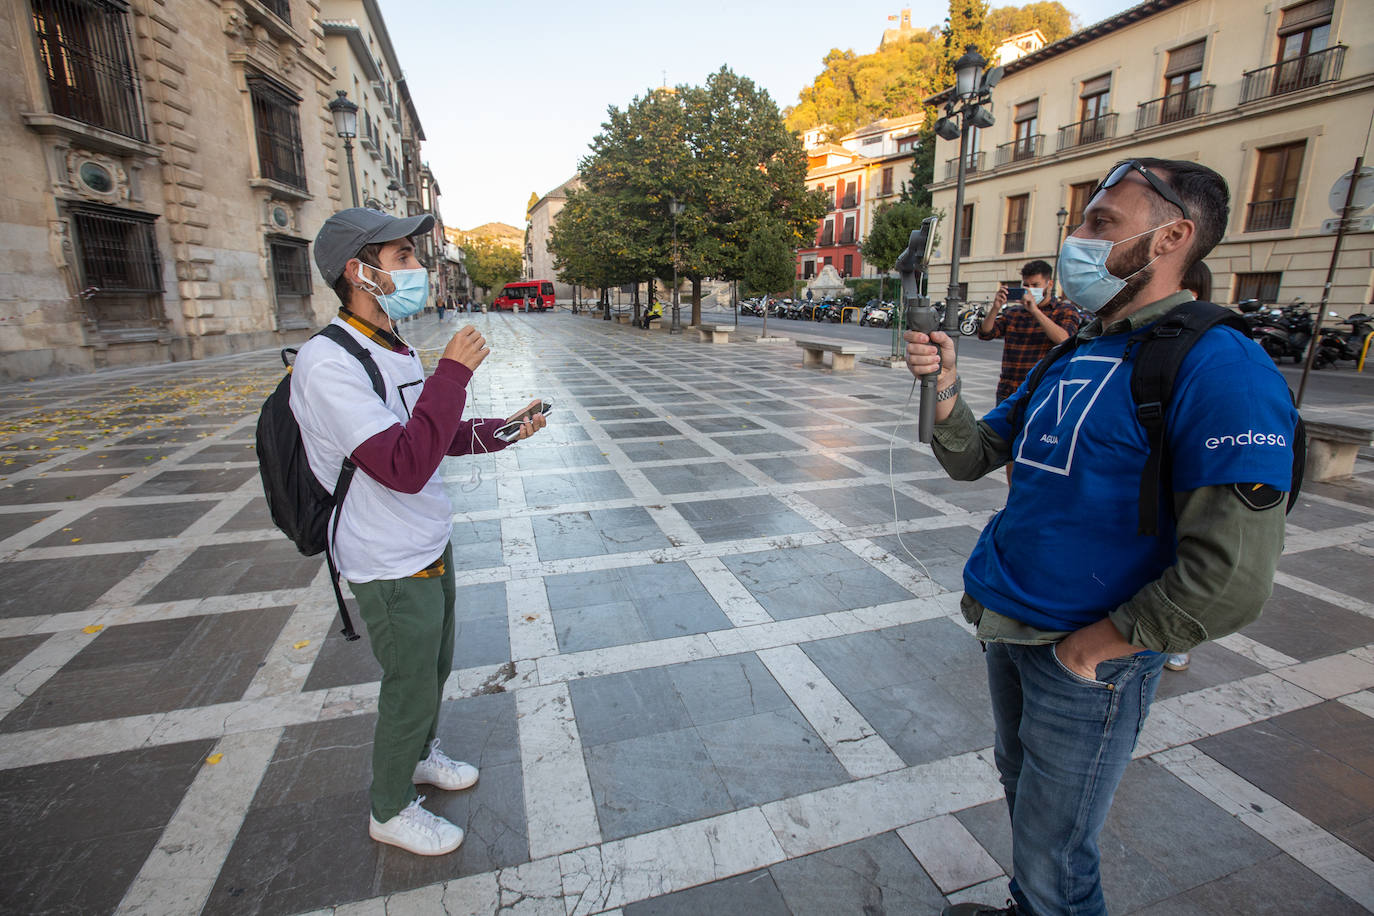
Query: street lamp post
(1061, 216)
(345, 113)
(677, 210)
(393, 194)
(963, 113)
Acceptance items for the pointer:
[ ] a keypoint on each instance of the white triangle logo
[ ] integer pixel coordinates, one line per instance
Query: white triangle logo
(1073, 387)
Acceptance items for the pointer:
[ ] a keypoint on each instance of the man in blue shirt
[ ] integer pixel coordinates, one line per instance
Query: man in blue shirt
(1075, 608)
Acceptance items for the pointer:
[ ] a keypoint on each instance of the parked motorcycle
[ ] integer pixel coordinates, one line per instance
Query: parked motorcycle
(971, 318)
(1337, 344)
(876, 314)
(1286, 332)
(753, 307)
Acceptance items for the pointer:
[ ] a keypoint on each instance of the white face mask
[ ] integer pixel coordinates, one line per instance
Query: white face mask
(1083, 272)
(1036, 293)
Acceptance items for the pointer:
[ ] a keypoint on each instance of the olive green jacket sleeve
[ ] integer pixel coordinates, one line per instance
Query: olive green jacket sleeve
(967, 448)
(1224, 572)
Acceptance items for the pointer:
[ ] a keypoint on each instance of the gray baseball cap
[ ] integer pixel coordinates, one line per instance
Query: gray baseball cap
(347, 231)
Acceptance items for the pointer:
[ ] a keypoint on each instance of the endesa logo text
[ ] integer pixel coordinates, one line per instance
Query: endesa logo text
(1249, 437)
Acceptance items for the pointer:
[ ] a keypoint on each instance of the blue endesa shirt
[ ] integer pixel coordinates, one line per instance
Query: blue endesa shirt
(1064, 552)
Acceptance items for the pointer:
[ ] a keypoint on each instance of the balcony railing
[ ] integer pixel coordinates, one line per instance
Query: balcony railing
(281, 7)
(975, 164)
(850, 200)
(1091, 130)
(1292, 75)
(1177, 106)
(965, 246)
(1020, 149)
(1012, 242)
(1269, 214)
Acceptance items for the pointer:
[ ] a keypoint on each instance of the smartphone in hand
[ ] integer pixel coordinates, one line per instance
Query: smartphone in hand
(510, 430)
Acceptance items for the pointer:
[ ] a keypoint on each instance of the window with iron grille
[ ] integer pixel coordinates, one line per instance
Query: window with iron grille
(1079, 195)
(117, 250)
(291, 266)
(828, 234)
(1276, 187)
(847, 236)
(966, 231)
(281, 7)
(84, 52)
(848, 265)
(1014, 240)
(291, 280)
(277, 122)
(1261, 286)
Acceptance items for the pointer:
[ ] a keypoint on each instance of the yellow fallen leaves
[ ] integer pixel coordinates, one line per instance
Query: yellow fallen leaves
(214, 759)
(93, 628)
(301, 645)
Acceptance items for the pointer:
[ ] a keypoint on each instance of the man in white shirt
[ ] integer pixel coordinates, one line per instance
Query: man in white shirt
(392, 542)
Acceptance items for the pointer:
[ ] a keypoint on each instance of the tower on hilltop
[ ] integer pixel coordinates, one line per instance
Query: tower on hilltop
(903, 31)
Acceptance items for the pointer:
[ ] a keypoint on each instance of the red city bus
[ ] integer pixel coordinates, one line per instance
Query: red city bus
(524, 295)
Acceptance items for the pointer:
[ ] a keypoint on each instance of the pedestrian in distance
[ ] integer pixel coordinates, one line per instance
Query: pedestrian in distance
(392, 542)
(1076, 607)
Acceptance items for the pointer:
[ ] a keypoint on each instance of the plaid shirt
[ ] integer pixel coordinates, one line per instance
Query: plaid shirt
(1026, 341)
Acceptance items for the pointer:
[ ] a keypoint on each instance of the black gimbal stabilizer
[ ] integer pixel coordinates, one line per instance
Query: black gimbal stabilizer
(920, 315)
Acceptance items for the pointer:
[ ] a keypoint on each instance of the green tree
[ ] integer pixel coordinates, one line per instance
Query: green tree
(1049, 16)
(917, 189)
(768, 265)
(891, 231)
(490, 264)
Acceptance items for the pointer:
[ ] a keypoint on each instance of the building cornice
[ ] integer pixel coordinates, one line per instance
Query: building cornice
(353, 33)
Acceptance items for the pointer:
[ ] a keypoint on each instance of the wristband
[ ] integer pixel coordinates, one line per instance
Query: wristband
(951, 392)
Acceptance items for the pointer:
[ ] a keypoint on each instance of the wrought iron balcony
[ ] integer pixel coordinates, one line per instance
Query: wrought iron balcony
(975, 164)
(850, 200)
(1292, 75)
(1178, 106)
(1020, 149)
(965, 246)
(1091, 130)
(1012, 242)
(1269, 214)
(281, 7)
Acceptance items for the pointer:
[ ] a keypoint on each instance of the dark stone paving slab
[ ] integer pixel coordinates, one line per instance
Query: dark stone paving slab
(157, 666)
(741, 517)
(1319, 761)
(481, 632)
(1306, 627)
(726, 424)
(757, 443)
(803, 469)
(874, 875)
(55, 857)
(653, 781)
(129, 523)
(341, 663)
(612, 607)
(770, 755)
(11, 523)
(754, 893)
(1209, 666)
(304, 843)
(866, 505)
(942, 551)
(898, 459)
(646, 430)
(586, 486)
(674, 448)
(171, 435)
(1278, 886)
(696, 478)
(812, 580)
(232, 569)
(56, 586)
(576, 456)
(1320, 516)
(1345, 571)
(123, 458)
(55, 488)
(234, 452)
(176, 483)
(252, 517)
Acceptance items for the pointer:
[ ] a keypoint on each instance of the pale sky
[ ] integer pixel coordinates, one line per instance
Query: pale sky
(511, 94)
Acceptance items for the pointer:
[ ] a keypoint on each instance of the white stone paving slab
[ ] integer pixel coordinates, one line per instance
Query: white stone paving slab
(950, 855)
(1333, 676)
(560, 813)
(1329, 595)
(517, 541)
(529, 620)
(180, 872)
(1256, 651)
(729, 592)
(1238, 703)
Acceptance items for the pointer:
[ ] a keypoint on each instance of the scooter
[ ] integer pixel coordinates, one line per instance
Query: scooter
(1336, 345)
(1286, 332)
(971, 318)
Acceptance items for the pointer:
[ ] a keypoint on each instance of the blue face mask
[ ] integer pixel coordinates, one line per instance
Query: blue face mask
(410, 296)
(1083, 272)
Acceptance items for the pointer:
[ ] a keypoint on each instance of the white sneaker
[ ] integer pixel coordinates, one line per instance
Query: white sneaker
(1177, 661)
(417, 830)
(442, 772)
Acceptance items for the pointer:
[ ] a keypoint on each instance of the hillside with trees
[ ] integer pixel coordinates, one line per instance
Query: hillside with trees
(856, 89)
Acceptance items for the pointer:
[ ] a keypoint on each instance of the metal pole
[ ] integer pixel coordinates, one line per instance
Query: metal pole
(677, 326)
(1058, 243)
(352, 180)
(1330, 275)
(952, 299)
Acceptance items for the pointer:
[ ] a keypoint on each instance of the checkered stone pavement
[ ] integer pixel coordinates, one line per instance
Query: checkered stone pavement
(696, 664)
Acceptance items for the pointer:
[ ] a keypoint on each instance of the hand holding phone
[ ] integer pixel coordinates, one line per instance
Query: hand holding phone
(531, 417)
(1015, 294)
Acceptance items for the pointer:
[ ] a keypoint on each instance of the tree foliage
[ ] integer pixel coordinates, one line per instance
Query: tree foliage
(857, 89)
(891, 231)
(769, 263)
(721, 151)
(490, 264)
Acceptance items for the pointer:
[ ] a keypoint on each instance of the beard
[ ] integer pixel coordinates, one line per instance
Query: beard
(1133, 265)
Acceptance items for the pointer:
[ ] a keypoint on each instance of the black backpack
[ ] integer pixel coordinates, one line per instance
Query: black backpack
(1158, 352)
(300, 507)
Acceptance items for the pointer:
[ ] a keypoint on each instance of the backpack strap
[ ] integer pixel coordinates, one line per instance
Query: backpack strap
(361, 353)
(1018, 413)
(1159, 353)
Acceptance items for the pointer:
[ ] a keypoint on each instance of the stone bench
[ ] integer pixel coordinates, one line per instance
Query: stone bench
(1331, 449)
(841, 354)
(623, 318)
(715, 333)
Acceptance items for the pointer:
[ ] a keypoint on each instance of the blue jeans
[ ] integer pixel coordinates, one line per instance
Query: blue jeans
(1063, 743)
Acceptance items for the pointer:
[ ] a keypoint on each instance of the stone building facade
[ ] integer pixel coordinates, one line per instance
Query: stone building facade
(169, 163)
(1277, 96)
(537, 260)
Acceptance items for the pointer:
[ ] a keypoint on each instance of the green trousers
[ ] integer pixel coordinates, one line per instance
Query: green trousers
(410, 626)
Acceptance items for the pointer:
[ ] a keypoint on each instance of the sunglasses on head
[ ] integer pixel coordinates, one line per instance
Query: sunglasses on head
(1124, 169)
